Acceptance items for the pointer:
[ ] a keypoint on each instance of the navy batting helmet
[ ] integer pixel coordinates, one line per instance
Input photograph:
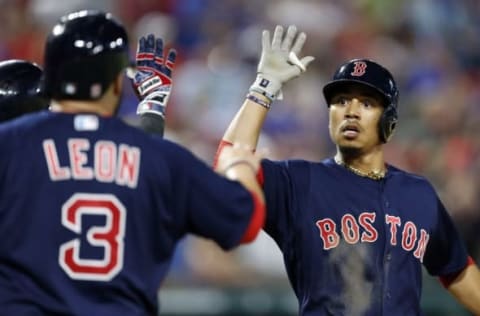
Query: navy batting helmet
(84, 53)
(20, 89)
(372, 75)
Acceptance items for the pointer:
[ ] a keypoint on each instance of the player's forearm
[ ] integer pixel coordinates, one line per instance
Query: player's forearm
(240, 164)
(152, 123)
(246, 126)
(247, 176)
(466, 288)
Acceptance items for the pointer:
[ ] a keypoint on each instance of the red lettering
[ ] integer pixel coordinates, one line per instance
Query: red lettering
(422, 245)
(128, 165)
(350, 229)
(328, 234)
(110, 237)
(359, 69)
(350, 232)
(409, 236)
(105, 161)
(366, 220)
(393, 221)
(78, 158)
(55, 171)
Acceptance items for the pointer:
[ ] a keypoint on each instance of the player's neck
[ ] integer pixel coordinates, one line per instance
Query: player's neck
(370, 164)
(72, 106)
(106, 105)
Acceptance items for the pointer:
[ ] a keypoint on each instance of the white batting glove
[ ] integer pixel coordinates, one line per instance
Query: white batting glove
(279, 62)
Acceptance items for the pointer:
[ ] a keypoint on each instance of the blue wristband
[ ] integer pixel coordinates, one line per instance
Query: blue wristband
(263, 103)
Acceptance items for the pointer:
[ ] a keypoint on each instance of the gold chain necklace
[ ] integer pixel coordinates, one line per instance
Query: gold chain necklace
(375, 175)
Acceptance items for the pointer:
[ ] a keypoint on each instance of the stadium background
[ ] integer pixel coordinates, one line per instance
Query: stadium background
(431, 46)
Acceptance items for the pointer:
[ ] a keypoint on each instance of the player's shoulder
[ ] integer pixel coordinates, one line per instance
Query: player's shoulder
(296, 166)
(158, 146)
(395, 171)
(155, 145)
(409, 178)
(22, 123)
(323, 165)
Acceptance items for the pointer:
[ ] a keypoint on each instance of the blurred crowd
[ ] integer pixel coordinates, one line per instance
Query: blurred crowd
(431, 46)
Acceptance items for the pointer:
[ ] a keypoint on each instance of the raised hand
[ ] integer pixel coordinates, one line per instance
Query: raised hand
(279, 61)
(153, 79)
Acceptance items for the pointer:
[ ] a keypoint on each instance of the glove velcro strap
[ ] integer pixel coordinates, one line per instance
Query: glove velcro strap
(150, 106)
(154, 103)
(267, 87)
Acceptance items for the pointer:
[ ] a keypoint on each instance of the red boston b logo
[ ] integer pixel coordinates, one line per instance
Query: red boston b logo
(359, 69)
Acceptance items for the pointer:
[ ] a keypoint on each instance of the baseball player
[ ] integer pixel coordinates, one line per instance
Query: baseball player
(354, 230)
(20, 89)
(90, 223)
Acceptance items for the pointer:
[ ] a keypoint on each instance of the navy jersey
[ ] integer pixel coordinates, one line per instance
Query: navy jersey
(353, 245)
(91, 210)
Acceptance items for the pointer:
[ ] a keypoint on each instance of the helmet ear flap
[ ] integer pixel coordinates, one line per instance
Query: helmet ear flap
(388, 122)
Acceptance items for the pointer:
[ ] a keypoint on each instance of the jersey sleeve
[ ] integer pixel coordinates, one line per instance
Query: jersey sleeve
(214, 207)
(446, 252)
(282, 198)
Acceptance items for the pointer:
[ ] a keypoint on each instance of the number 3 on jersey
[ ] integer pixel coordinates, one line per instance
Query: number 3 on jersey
(109, 236)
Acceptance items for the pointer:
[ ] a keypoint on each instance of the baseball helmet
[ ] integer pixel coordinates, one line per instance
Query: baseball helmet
(84, 53)
(20, 89)
(373, 76)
